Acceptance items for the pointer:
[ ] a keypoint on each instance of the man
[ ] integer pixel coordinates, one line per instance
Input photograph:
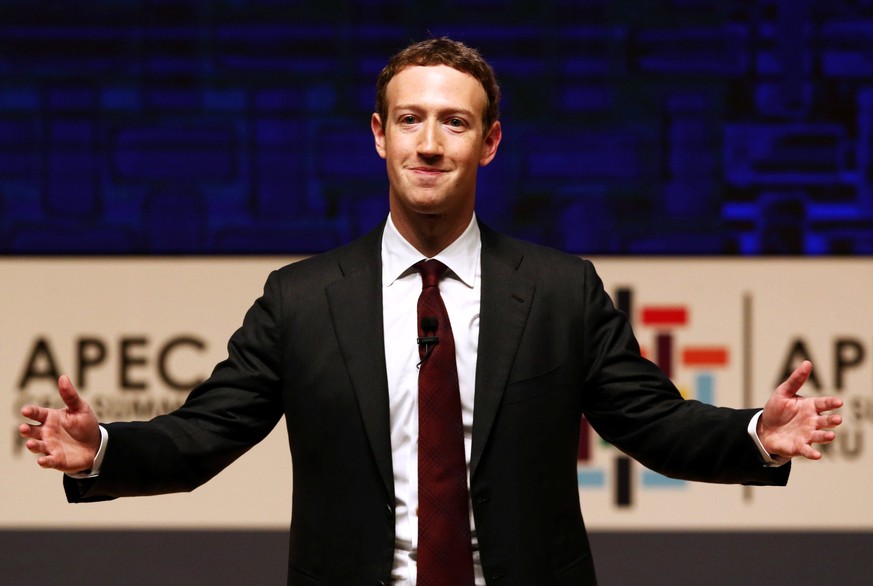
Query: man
(537, 344)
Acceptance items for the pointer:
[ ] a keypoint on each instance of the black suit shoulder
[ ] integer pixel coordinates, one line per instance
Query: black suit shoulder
(534, 260)
(321, 269)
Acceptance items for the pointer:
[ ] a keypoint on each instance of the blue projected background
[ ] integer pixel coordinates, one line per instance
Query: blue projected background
(663, 127)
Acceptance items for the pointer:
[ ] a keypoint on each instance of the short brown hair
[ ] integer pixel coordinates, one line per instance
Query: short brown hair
(443, 51)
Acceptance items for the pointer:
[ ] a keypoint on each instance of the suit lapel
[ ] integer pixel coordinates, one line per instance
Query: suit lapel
(505, 305)
(355, 302)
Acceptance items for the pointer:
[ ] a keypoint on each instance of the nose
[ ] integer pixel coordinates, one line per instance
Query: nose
(430, 140)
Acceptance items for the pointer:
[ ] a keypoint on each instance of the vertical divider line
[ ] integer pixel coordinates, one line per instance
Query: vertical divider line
(747, 368)
(623, 464)
(623, 481)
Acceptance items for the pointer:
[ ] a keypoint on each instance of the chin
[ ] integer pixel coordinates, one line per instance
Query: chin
(428, 205)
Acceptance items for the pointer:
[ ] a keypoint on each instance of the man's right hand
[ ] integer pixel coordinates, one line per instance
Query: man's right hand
(67, 438)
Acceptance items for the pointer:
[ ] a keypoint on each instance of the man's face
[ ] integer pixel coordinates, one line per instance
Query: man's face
(433, 143)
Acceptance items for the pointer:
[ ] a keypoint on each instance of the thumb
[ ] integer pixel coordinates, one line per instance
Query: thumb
(69, 395)
(798, 378)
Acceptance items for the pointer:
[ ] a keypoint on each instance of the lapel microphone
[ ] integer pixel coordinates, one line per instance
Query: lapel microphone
(428, 325)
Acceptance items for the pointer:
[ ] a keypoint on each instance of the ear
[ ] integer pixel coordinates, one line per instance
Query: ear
(378, 134)
(489, 146)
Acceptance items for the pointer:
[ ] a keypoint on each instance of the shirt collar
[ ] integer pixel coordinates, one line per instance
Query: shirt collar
(461, 256)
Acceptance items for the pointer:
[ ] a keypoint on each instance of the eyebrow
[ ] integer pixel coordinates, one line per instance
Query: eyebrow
(443, 111)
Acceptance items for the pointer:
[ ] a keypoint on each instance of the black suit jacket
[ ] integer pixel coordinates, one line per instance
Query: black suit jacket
(551, 348)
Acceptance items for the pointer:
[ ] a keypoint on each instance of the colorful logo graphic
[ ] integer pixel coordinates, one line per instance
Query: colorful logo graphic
(697, 363)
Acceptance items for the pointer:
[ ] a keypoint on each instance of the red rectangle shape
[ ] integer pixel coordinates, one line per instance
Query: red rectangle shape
(705, 356)
(665, 316)
(585, 431)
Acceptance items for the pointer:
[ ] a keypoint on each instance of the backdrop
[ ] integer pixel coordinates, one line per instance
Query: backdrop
(136, 334)
(242, 126)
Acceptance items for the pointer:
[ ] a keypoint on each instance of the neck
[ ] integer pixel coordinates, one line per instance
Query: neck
(430, 234)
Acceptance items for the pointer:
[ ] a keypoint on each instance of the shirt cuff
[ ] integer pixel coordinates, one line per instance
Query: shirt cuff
(770, 460)
(94, 471)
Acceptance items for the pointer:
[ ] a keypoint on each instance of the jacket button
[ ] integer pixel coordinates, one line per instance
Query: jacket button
(389, 511)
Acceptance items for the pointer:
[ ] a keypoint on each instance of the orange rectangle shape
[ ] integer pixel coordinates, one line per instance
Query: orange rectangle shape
(665, 316)
(705, 356)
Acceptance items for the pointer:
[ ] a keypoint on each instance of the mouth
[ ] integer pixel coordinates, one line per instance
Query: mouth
(428, 171)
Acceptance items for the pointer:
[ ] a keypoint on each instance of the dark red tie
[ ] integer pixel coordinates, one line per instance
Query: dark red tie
(445, 552)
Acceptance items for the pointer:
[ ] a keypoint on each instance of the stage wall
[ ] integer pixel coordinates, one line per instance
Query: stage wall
(134, 333)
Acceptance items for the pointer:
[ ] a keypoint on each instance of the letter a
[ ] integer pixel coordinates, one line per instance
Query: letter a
(41, 364)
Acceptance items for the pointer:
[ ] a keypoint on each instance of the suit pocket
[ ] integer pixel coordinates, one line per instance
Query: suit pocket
(527, 386)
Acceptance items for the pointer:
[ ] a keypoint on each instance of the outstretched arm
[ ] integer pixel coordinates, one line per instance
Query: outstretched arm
(790, 423)
(67, 438)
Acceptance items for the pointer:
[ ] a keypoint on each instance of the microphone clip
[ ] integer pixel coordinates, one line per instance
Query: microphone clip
(426, 344)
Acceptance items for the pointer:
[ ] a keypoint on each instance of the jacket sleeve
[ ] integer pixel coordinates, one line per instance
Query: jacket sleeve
(632, 404)
(222, 418)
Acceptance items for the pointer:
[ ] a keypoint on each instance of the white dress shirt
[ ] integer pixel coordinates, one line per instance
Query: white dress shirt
(460, 289)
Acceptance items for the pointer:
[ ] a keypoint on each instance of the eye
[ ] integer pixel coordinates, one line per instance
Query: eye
(408, 119)
(456, 122)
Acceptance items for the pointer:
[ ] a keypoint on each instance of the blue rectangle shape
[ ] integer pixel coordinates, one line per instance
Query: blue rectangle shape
(19, 98)
(585, 98)
(704, 386)
(288, 133)
(120, 98)
(655, 480)
(233, 99)
(591, 478)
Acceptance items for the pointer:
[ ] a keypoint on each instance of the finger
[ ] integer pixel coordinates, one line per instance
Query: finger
(828, 421)
(797, 379)
(810, 453)
(30, 431)
(827, 403)
(47, 462)
(68, 393)
(35, 413)
(822, 437)
(36, 446)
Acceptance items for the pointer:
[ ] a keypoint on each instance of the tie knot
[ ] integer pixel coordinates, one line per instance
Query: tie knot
(431, 271)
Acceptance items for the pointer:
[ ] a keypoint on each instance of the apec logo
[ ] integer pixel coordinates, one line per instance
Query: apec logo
(701, 362)
(152, 376)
